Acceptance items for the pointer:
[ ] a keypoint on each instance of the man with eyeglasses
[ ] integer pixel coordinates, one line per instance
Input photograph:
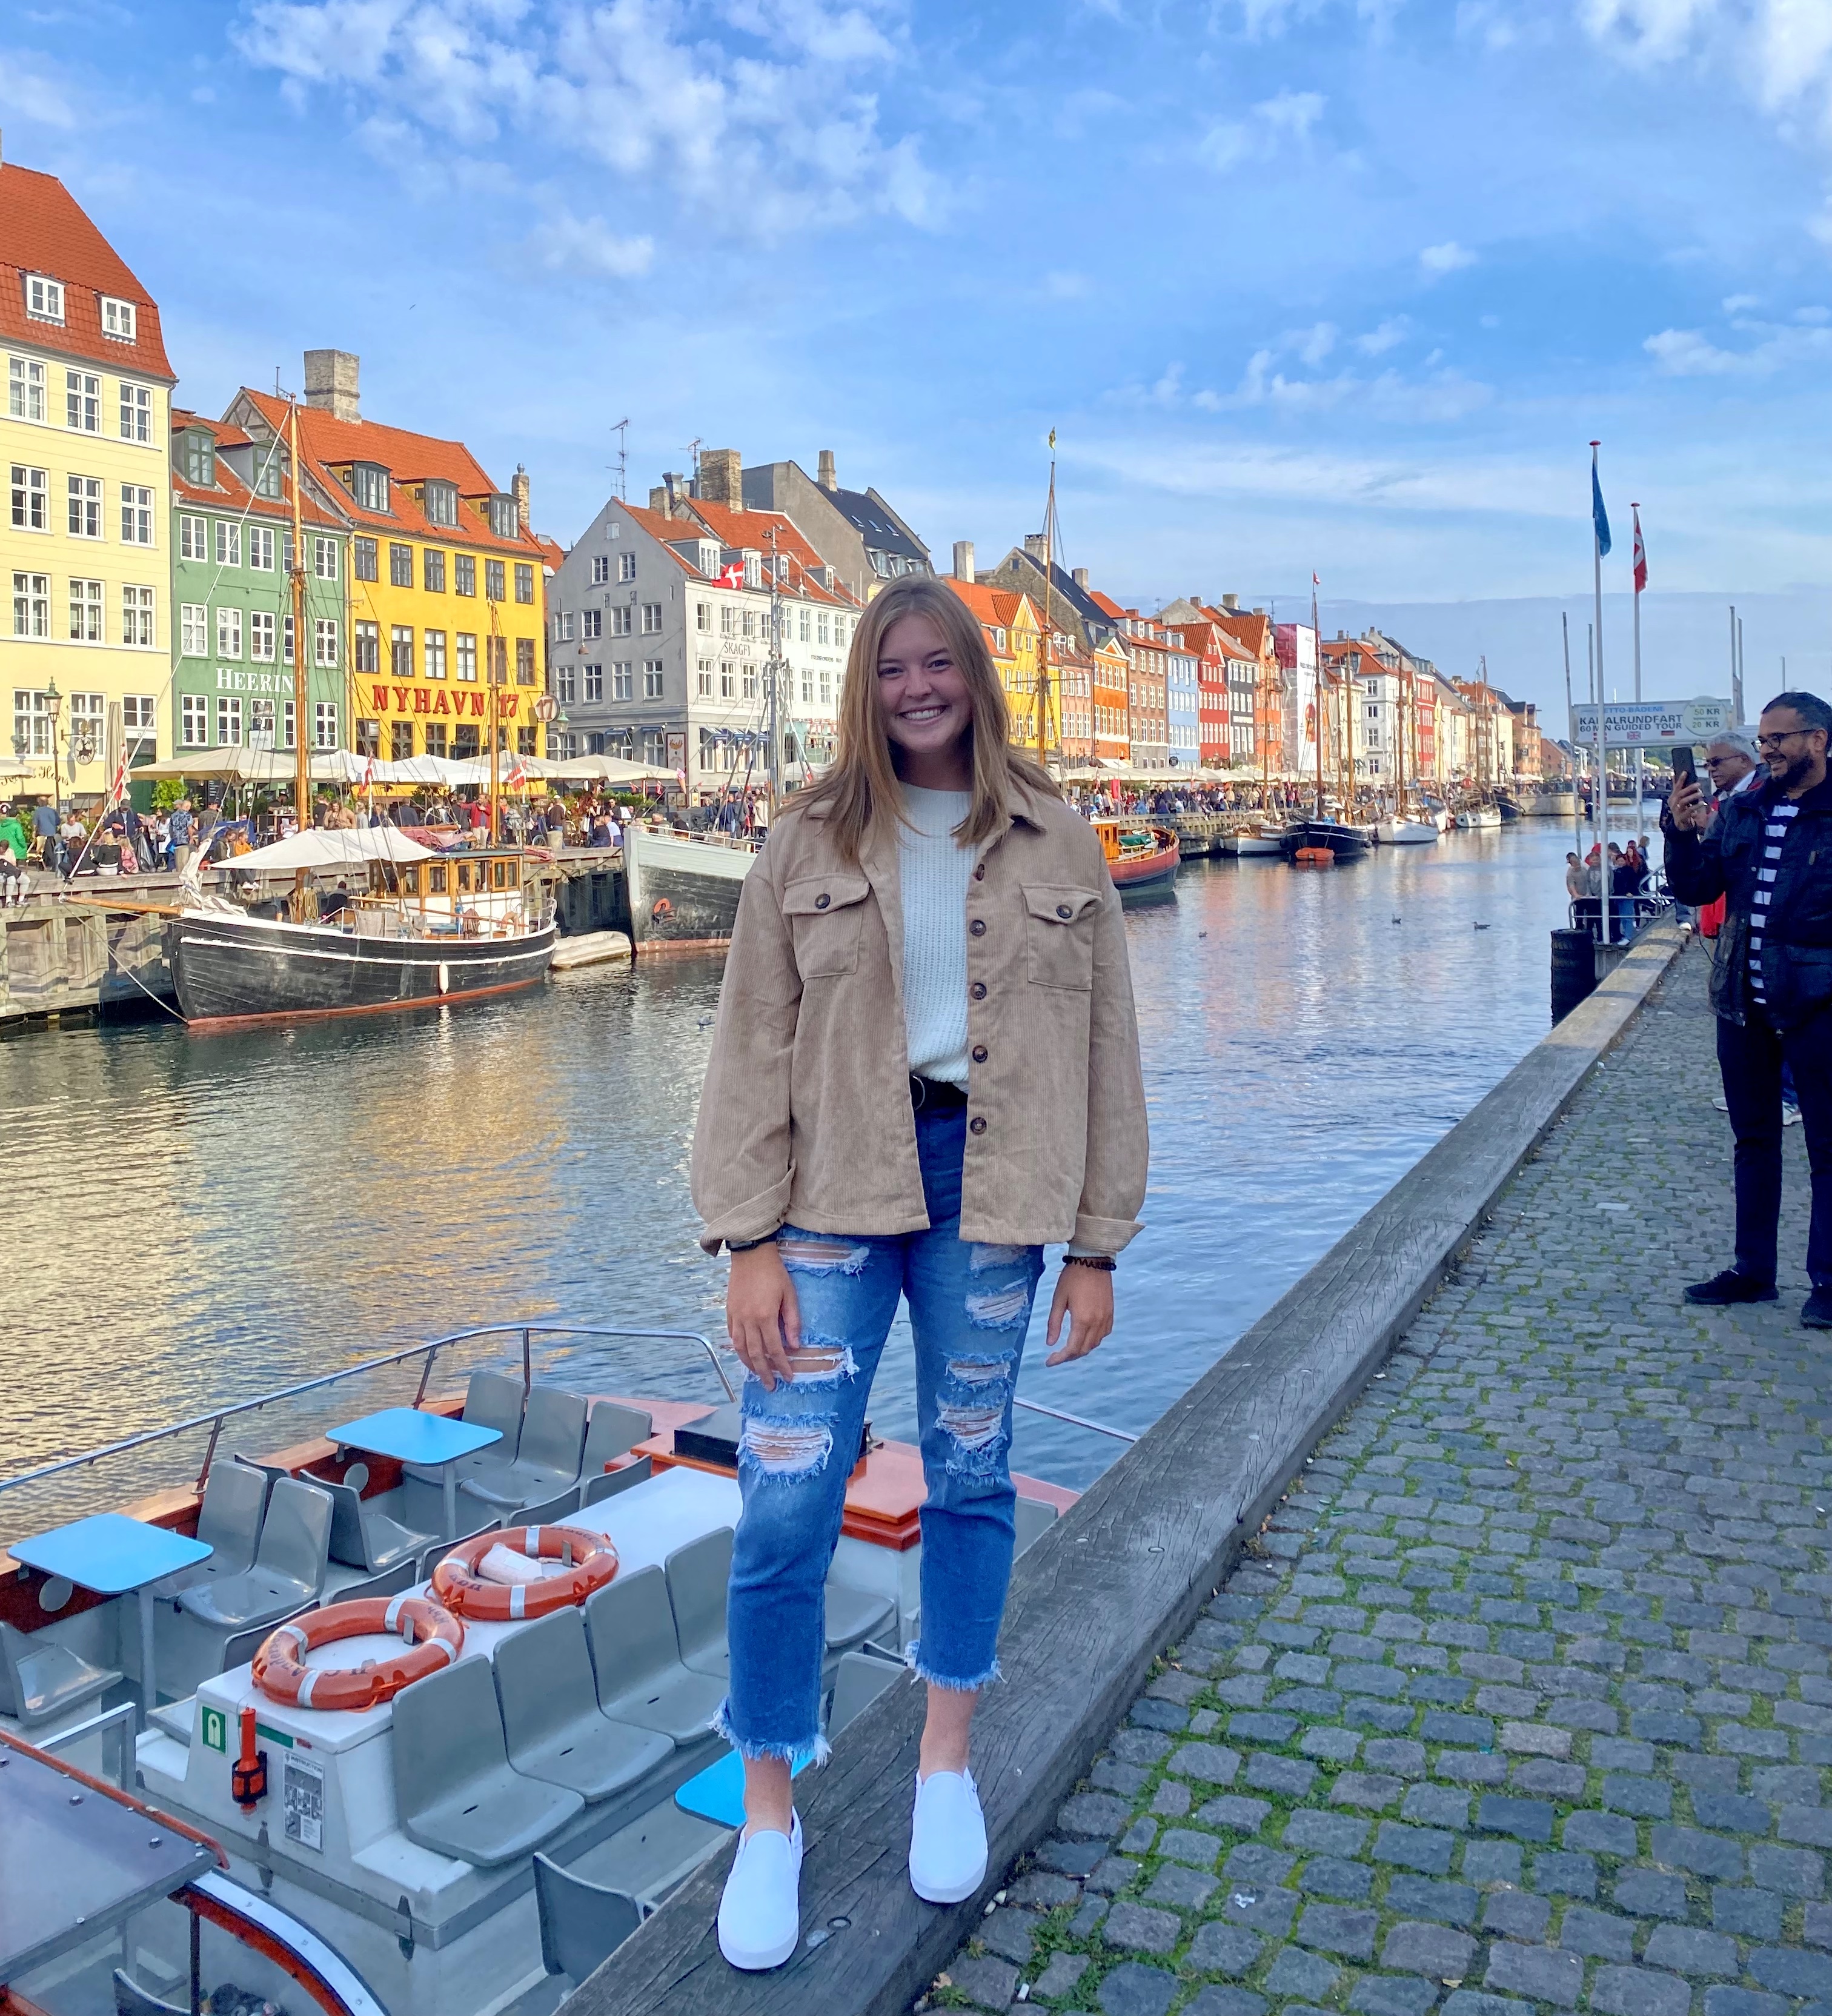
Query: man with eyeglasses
(1768, 853)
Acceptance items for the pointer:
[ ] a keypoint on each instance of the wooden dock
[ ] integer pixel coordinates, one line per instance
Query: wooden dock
(1124, 1572)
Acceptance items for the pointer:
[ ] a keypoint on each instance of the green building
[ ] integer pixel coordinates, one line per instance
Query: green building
(231, 629)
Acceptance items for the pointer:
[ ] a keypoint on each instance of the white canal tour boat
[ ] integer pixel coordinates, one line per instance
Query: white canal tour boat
(410, 1719)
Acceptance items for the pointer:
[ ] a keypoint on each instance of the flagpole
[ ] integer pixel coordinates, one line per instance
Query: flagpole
(1640, 579)
(1597, 524)
(1564, 624)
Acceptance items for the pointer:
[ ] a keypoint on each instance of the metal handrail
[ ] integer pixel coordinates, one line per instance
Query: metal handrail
(123, 1723)
(214, 1420)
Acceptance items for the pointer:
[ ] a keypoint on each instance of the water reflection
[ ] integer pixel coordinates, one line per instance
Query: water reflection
(195, 1219)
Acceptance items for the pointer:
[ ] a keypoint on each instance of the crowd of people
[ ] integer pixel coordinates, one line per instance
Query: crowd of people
(1632, 888)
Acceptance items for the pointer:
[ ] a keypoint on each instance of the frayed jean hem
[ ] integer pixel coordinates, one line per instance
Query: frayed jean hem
(912, 1658)
(815, 1751)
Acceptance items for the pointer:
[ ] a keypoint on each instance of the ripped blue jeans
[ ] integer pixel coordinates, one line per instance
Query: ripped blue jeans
(970, 1306)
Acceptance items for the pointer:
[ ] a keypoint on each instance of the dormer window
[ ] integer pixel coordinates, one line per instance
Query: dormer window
(44, 298)
(754, 569)
(118, 319)
(440, 502)
(200, 459)
(708, 562)
(368, 485)
(269, 461)
(505, 520)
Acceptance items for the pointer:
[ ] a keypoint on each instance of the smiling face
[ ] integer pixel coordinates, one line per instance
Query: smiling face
(1795, 753)
(927, 713)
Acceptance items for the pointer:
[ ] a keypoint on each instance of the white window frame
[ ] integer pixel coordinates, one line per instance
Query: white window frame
(704, 672)
(434, 660)
(31, 604)
(465, 647)
(85, 611)
(118, 319)
(44, 297)
(263, 636)
(228, 721)
(136, 514)
(619, 620)
(229, 631)
(600, 569)
(84, 502)
(653, 678)
(565, 685)
(136, 412)
(193, 630)
(623, 676)
(324, 557)
(193, 538)
(563, 622)
(228, 542)
(590, 624)
(593, 688)
(652, 619)
(325, 647)
(25, 389)
(261, 547)
(193, 720)
(324, 723)
(626, 565)
(82, 401)
(30, 496)
(139, 617)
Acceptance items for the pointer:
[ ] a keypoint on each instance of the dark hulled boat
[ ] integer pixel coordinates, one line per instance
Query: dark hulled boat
(684, 887)
(1347, 843)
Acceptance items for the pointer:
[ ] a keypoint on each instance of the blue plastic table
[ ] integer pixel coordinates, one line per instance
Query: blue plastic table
(411, 1436)
(111, 1554)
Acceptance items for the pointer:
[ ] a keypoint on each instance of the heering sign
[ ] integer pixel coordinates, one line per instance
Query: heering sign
(230, 679)
(1652, 724)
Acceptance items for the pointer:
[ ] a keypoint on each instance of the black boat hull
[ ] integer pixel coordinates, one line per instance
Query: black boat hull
(683, 890)
(234, 969)
(1343, 841)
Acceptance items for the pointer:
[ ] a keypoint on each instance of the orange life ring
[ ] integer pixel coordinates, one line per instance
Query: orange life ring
(433, 1638)
(457, 1584)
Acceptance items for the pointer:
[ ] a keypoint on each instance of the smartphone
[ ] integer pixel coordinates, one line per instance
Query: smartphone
(1680, 756)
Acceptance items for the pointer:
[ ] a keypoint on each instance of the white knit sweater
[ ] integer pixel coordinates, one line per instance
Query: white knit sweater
(935, 870)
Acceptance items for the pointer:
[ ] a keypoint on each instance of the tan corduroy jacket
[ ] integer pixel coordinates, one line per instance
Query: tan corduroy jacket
(805, 1117)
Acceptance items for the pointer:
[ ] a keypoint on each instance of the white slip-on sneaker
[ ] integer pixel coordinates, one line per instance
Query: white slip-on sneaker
(947, 1838)
(760, 1914)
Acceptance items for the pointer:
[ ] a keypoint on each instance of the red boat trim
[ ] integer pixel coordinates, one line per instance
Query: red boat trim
(215, 1024)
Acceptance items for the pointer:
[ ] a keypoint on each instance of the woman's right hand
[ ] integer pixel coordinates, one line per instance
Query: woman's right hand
(761, 1317)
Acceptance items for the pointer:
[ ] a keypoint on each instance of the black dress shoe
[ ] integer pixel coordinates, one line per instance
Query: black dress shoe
(1816, 1314)
(1730, 1287)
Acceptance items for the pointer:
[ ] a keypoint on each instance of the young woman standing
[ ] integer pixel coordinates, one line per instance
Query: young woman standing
(925, 1067)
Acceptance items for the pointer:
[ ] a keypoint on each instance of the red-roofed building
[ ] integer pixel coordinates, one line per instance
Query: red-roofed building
(83, 544)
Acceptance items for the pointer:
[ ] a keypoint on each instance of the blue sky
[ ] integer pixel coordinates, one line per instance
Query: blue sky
(1344, 284)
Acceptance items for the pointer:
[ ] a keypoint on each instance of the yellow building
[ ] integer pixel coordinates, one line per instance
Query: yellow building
(1012, 632)
(87, 645)
(446, 594)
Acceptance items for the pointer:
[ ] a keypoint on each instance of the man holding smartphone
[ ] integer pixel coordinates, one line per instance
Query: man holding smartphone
(1768, 853)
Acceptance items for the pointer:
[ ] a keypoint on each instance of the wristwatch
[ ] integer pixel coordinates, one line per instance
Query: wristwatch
(748, 1245)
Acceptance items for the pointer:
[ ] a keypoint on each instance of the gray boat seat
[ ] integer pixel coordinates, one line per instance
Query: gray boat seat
(608, 1483)
(289, 1570)
(238, 1650)
(229, 1523)
(390, 1581)
(453, 1787)
(582, 1923)
(697, 1576)
(553, 1439)
(131, 2000)
(551, 1721)
(440, 1548)
(641, 1679)
(175, 1718)
(1035, 1516)
(854, 1613)
(551, 1511)
(492, 1400)
(858, 1683)
(614, 1431)
(42, 1678)
(363, 1537)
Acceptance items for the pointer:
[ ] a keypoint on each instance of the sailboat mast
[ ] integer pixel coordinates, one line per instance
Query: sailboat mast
(1043, 642)
(1316, 637)
(302, 748)
(494, 708)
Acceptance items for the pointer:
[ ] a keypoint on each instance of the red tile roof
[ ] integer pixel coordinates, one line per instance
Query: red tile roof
(43, 229)
(327, 443)
(751, 529)
(230, 493)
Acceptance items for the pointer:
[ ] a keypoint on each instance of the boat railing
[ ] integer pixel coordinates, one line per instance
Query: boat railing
(429, 1353)
(121, 1724)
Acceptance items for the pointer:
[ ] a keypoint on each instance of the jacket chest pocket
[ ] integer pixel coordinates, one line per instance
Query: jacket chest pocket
(826, 915)
(1059, 925)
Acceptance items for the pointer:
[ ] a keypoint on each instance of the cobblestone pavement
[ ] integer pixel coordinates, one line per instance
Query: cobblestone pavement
(1522, 1700)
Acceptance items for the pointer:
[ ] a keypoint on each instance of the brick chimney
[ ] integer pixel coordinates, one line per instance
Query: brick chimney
(721, 477)
(330, 382)
(964, 560)
(828, 478)
(519, 490)
(1079, 578)
(659, 500)
(1035, 545)
(1231, 602)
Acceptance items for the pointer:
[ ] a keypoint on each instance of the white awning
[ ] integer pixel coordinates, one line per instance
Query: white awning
(331, 847)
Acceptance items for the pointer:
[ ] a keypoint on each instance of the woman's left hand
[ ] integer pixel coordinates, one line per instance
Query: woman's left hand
(1085, 1295)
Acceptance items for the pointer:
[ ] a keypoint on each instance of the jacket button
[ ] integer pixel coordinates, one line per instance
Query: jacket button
(823, 900)
(1064, 911)
(977, 1124)
(979, 1053)
(979, 872)
(978, 927)
(978, 990)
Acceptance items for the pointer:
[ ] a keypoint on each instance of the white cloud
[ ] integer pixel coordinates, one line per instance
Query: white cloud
(1741, 303)
(29, 92)
(1268, 382)
(769, 120)
(1292, 113)
(1448, 257)
(1389, 336)
(1286, 119)
(1688, 353)
(566, 244)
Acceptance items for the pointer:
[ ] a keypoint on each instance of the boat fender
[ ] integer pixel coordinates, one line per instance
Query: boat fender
(589, 1562)
(432, 1639)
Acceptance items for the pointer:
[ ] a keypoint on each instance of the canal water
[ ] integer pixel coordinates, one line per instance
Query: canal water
(191, 1220)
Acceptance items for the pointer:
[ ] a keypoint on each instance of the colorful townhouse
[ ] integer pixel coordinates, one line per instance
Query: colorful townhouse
(233, 649)
(445, 589)
(86, 648)
(1010, 622)
(1148, 653)
(1113, 723)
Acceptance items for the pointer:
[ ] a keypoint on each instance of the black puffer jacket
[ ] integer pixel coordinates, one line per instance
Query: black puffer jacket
(1797, 943)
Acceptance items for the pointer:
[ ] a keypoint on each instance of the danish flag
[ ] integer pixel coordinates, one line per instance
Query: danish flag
(1640, 553)
(731, 576)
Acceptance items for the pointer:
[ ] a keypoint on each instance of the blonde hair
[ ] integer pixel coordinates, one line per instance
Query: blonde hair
(859, 791)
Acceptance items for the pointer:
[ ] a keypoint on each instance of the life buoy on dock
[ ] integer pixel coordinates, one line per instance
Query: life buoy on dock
(591, 1559)
(432, 1638)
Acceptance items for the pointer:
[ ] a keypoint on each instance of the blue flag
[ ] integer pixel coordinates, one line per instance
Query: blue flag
(1599, 517)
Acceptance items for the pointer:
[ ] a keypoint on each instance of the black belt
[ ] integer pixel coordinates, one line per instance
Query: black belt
(935, 1094)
